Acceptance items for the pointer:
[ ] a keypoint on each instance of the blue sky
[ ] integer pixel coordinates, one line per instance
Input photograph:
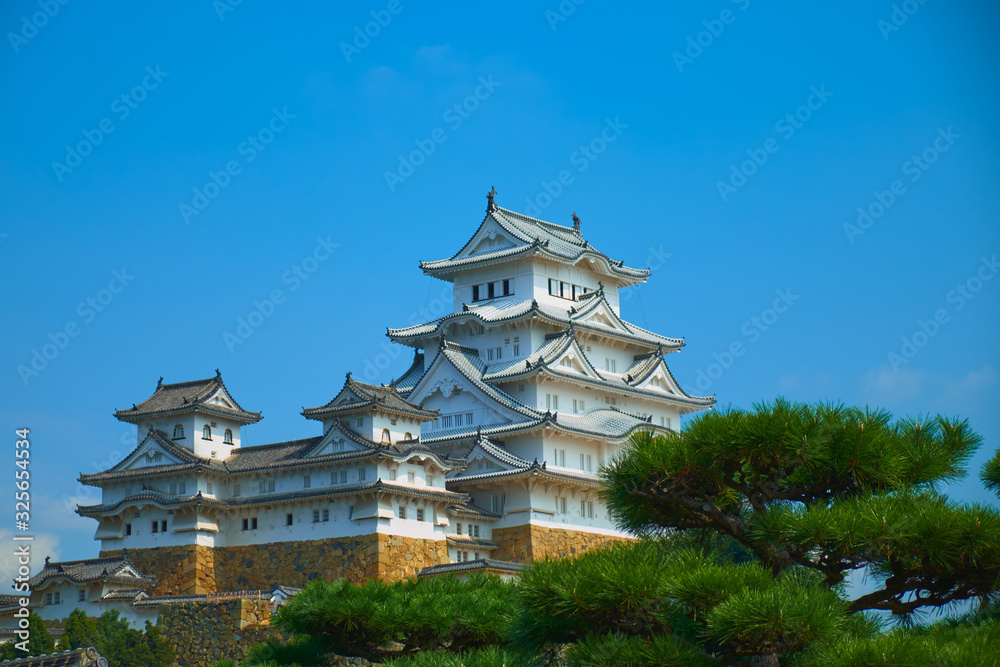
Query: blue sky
(175, 164)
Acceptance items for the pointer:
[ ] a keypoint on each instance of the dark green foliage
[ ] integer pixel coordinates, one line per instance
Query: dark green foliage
(40, 642)
(655, 603)
(115, 640)
(990, 474)
(379, 620)
(826, 488)
(81, 631)
(492, 656)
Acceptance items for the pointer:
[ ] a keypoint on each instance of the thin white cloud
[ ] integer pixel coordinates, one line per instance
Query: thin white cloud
(43, 545)
(883, 385)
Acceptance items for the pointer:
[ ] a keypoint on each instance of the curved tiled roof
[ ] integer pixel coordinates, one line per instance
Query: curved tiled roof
(541, 362)
(499, 311)
(471, 510)
(184, 397)
(111, 569)
(280, 455)
(165, 500)
(536, 236)
(473, 566)
(405, 383)
(605, 423)
(362, 397)
(475, 543)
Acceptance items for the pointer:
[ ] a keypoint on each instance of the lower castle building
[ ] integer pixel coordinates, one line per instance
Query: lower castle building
(483, 455)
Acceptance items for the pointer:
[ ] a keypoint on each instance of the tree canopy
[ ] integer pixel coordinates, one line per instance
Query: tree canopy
(827, 488)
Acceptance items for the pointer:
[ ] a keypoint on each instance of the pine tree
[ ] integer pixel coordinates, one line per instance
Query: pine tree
(826, 488)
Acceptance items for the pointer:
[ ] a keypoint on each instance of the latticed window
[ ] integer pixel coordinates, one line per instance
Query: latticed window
(179, 432)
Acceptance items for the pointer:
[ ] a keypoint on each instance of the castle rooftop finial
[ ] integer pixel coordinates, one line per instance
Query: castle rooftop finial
(160, 383)
(489, 197)
(576, 222)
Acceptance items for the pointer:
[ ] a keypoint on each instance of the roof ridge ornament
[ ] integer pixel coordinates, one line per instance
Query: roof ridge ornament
(160, 383)
(491, 205)
(576, 223)
(217, 373)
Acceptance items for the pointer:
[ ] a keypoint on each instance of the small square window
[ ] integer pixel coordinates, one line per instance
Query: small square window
(289, 519)
(236, 490)
(411, 477)
(392, 475)
(82, 597)
(402, 511)
(326, 515)
(306, 481)
(420, 515)
(458, 529)
(128, 529)
(156, 526)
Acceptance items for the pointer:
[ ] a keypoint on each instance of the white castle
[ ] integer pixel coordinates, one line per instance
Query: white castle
(483, 455)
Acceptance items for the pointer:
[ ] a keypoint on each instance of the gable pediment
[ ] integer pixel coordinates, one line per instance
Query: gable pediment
(336, 441)
(660, 380)
(601, 315)
(491, 237)
(573, 360)
(149, 454)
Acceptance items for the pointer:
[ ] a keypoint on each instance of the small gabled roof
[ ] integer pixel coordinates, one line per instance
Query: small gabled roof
(548, 355)
(160, 440)
(529, 236)
(645, 365)
(466, 361)
(357, 397)
(545, 361)
(184, 397)
(113, 569)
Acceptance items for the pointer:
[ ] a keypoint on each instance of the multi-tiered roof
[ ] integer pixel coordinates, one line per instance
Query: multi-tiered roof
(592, 317)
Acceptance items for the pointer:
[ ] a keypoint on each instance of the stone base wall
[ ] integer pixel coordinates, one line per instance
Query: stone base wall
(203, 633)
(523, 544)
(194, 570)
(184, 570)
